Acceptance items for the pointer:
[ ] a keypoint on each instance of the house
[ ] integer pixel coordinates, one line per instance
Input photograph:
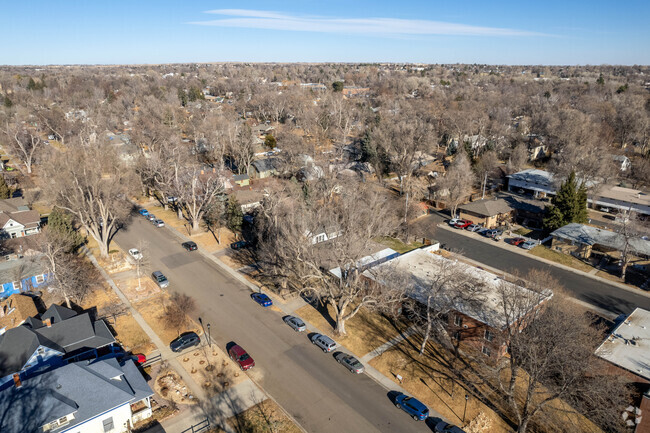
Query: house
(488, 213)
(17, 220)
(242, 179)
(263, 168)
(323, 234)
(582, 241)
(15, 310)
(22, 274)
(478, 324)
(624, 199)
(86, 396)
(52, 339)
(626, 352)
(536, 147)
(538, 182)
(248, 199)
(622, 161)
(370, 261)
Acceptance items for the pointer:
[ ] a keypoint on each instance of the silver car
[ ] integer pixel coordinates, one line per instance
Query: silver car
(295, 322)
(349, 362)
(160, 279)
(528, 245)
(324, 342)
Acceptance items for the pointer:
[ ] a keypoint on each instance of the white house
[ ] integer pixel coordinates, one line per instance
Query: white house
(17, 220)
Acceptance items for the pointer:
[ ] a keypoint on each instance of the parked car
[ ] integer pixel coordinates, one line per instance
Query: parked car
(493, 233)
(350, 362)
(530, 244)
(239, 355)
(453, 221)
(473, 227)
(151, 217)
(139, 358)
(160, 279)
(324, 342)
(443, 427)
(186, 340)
(414, 407)
(171, 199)
(295, 322)
(159, 223)
(135, 253)
(143, 212)
(189, 246)
(238, 245)
(262, 299)
(461, 224)
(516, 241)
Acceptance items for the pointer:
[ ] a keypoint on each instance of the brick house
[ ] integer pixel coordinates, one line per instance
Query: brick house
(488, 213)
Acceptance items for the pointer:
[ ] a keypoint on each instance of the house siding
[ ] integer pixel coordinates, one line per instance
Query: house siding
(7, 289)
(121, 419)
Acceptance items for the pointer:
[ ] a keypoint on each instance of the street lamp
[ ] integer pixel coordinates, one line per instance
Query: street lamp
(466, 398)
(209, 339)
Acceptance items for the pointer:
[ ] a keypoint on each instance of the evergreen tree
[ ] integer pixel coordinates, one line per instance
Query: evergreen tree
(234, 215)
(182, 96)
(31, 84)
(5, 191)
(568, 206)
(337, 86)
(601, 80)
(60, 223)
(270, 141)
(8, 103)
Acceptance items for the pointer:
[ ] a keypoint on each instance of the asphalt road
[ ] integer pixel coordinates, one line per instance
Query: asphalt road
(321, 394)
(594, 292)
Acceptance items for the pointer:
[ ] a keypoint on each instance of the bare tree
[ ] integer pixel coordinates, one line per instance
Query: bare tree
(303, 233)
(485, 167)
(23, 142)
(632, 229)
(517, 159)
(177, 310)
(196, 191)
(92, 184)
(241, 147)
(456, 186)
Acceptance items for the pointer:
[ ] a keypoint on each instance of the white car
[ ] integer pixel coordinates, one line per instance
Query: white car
(135, 253)
(453, 221)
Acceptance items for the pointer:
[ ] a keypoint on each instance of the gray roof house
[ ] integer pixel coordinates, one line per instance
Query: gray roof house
(59, 334)
(581, 234)
(262, 168)
(86, 396)
(17, 220)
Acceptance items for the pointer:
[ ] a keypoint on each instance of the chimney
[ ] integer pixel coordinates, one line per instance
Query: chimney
(48, 322)
(202, 172)
(17, 381)
(214, 169)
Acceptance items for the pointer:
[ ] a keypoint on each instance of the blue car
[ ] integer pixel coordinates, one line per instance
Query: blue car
(262, 299)
(144, 212)
(412, 406)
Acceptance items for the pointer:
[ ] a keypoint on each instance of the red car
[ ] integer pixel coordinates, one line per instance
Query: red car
(242, 358)
(463, 223)
(516, 241)
(140, 358)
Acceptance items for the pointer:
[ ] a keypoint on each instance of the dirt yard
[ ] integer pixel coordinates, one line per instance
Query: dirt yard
(171, 387)
(133, 289)
(212, 369)
(264, 417)
(152, 310)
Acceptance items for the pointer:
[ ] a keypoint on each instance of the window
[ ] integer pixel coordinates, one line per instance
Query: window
(40, 279)
(486, 351)
(108, 424)
(488, 335)
(457, 335)
(17, 285)
(458, 320)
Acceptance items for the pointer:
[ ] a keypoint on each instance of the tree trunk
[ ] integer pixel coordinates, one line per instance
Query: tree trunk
(195, 225)
(219, 235)
(523, 426)
(340, 325)
(67, 300)
(179, 212)
(425, 339)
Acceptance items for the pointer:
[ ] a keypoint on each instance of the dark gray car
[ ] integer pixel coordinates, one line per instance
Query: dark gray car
(186, 340)
(349, 362)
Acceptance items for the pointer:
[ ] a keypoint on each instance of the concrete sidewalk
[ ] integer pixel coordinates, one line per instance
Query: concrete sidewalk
(387, 345)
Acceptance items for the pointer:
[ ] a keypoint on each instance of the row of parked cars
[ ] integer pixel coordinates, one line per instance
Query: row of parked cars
(495, 234)
(151, 217)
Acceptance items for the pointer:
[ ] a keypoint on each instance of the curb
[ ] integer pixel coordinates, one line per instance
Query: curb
(548, 262)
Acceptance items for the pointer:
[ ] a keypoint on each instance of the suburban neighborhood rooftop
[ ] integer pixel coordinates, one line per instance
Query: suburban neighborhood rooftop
(628, 346)
(588, 235)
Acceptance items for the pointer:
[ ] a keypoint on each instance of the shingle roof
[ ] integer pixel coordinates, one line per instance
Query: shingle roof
(588, 235)
(12, 270)
(487, 207)
(73, 333)
(267, 164)
(16, 308)
(87, 389)
(13, 204)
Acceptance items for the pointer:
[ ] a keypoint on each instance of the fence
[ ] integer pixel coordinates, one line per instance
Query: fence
(198, 427)
(153, 360)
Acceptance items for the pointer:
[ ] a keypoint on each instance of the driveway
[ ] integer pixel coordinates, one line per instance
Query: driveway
(592, 291)
(320, 394)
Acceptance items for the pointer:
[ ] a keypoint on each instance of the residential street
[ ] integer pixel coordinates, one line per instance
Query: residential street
(594, 292)
(309, 384)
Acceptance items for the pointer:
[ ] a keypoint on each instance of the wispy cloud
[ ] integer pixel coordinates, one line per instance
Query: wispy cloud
(270, 20)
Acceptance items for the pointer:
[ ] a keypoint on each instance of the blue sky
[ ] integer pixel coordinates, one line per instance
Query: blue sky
(427, 31)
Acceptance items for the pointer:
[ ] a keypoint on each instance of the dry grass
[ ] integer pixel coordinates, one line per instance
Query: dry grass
(398, 245)
(365, 331)
(131, 336)
(563, 259)
(265, 417)
(101, 299)
(152, 310)
(439, 393)
(42, 207)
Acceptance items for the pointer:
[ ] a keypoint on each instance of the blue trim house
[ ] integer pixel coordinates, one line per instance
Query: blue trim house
(21, 275)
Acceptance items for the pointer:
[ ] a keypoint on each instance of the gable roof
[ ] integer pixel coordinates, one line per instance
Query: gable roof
(266, 164)
(87, 389)
(487, 207)
(19, 269)
(72, 333)
(13, 204)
